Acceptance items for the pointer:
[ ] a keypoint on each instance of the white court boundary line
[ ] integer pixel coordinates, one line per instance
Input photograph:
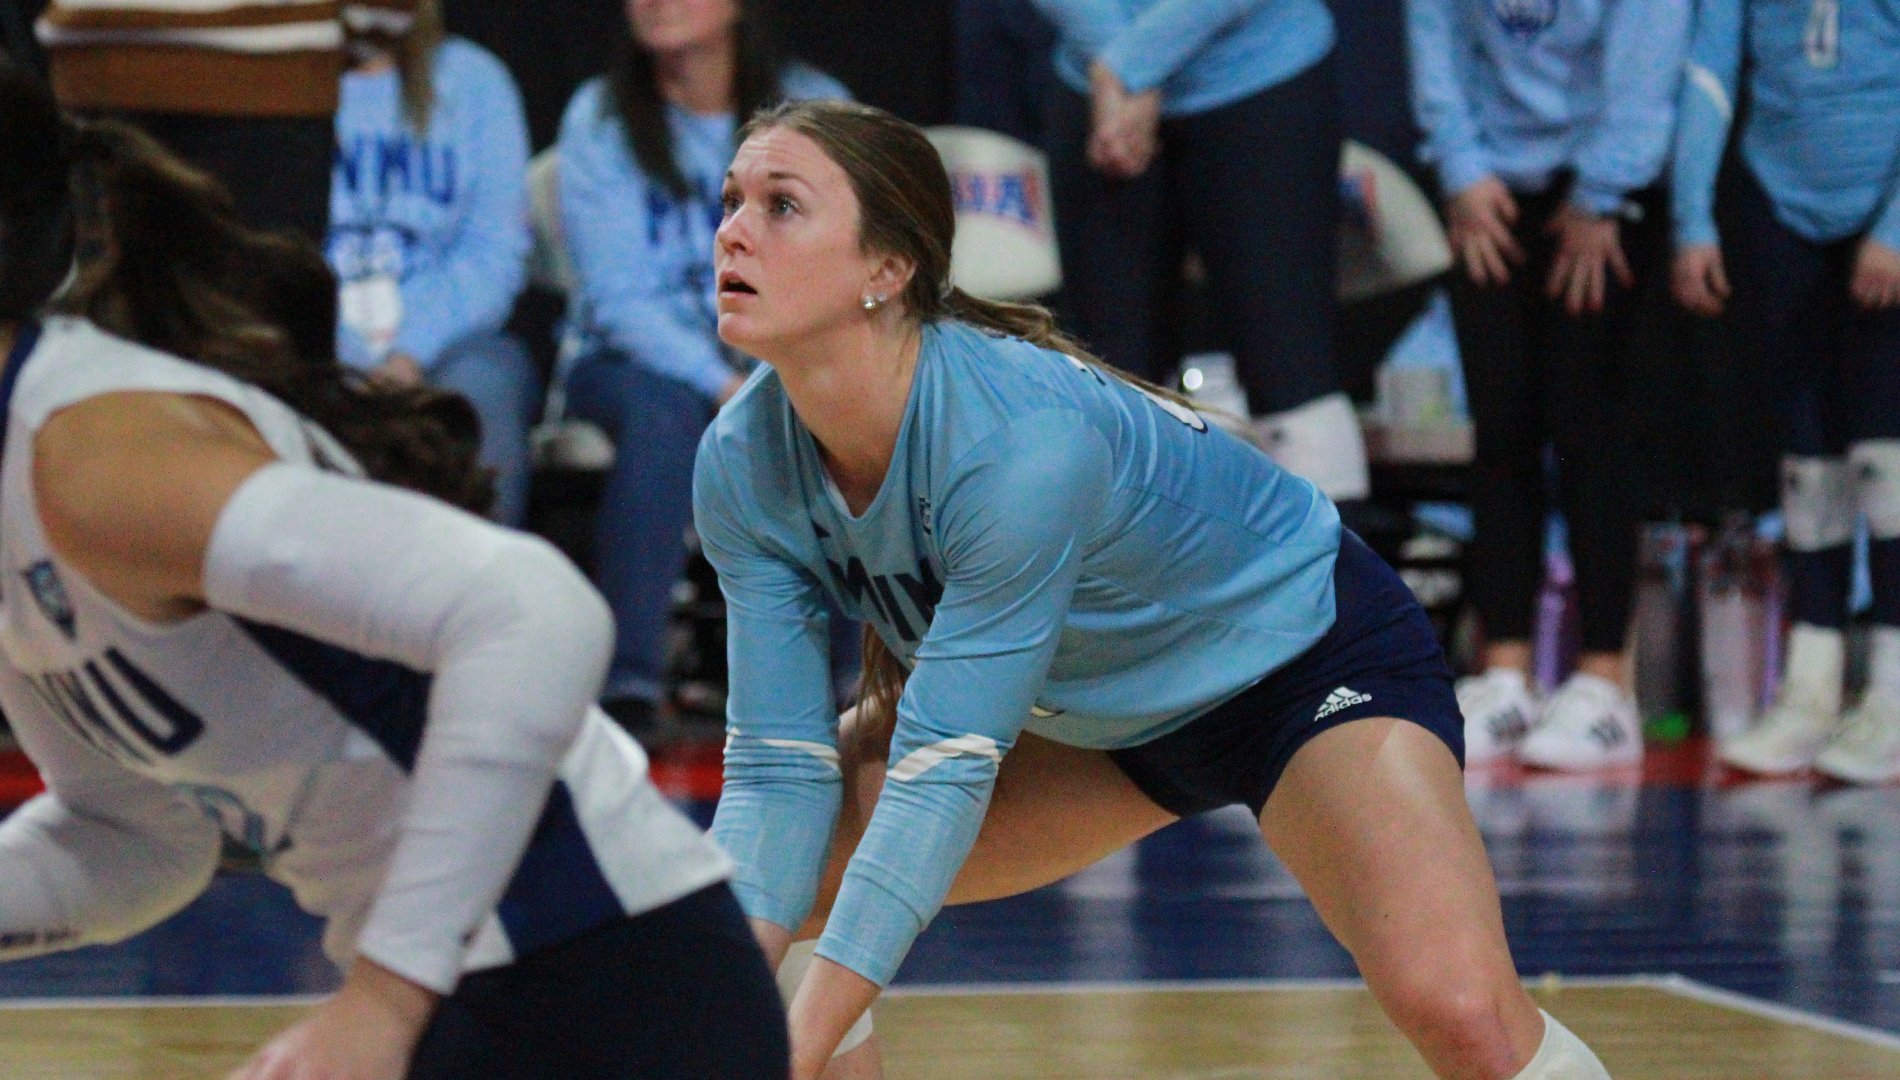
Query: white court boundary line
(1715, 995)
(1678, 985)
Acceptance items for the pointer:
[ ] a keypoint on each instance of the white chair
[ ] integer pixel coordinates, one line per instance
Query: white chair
(1006, 234)
(559, 442)
(1390, 237)
(548, 262)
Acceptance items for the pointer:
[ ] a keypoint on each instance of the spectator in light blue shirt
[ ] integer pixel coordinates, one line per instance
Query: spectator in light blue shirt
(1212, 126)
(643, 152)
(1811, 232)
(429, 229)
(1548, 122)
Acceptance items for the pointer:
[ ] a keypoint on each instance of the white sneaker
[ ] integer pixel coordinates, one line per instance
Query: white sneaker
(1867, 750)
(1587, 724)
(1498, 710)
(1786, 739)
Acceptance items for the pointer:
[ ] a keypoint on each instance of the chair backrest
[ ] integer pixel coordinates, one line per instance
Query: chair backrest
(1006, 236)
(1390, 236)
(548, 262)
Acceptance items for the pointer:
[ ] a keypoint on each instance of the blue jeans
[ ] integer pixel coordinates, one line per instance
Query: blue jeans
(494, 372)
(640, 540)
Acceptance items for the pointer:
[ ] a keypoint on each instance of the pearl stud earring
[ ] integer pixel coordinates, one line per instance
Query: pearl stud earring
(872, 303)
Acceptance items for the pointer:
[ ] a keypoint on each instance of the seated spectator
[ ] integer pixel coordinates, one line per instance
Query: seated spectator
(1548, 124)
(644, 151)
(1813, 244)
(429, 229)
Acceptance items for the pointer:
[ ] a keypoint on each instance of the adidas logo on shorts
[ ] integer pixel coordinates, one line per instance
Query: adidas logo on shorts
(1342, 698)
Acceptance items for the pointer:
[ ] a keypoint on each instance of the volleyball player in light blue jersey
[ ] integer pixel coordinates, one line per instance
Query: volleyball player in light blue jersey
(1812, 234)
(1093, 614)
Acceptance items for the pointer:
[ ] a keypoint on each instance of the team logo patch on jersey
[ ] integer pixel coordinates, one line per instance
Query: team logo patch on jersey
(1525, 18)
(1342, 698)
(50, 595)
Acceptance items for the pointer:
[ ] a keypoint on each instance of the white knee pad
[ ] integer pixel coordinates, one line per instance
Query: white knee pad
(1562, 1056)
(792, 972)
(1817, 502)
(1320, 441)
(1875, 465)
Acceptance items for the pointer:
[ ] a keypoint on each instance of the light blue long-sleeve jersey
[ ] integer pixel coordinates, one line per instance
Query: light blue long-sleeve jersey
(643, 256)
(1521, 89)
(1052, 550)
(1823, 133)
(1202, 53)
(443, 212)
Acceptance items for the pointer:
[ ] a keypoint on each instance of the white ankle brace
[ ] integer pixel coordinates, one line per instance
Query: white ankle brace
(1817, 664)
(1817, 502)
(792, 972)
(1876, 469)
(1562, 1056)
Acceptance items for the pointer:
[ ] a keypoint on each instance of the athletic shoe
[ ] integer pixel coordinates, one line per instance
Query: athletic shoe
(1498, 710)
(1786, 739)
(1587, 724)
(1867, 750)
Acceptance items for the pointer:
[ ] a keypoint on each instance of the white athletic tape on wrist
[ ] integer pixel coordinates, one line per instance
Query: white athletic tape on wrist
(1562, 1056)
(798, 958)
(1817, 502)
(1875, 465)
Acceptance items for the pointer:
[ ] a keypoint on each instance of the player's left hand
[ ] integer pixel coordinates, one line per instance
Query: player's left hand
(366, 1032)
(1876, 282)
(1589, 252)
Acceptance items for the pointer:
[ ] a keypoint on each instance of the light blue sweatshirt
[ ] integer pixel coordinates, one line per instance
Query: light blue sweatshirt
(1823, 133)
(644, 258)
(1202, 53)
(444, 212)
(1052, 550)
(1521, 89)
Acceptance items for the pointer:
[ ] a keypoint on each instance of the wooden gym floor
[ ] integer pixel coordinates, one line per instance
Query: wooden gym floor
(1688, 922)
(1643, 1029)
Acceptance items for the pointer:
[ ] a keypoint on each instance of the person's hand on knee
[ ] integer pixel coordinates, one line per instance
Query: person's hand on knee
(1478, 224)
(1589, 253)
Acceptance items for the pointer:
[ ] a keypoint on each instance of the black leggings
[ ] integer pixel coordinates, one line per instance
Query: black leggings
(1538, 377)
(1835, 371)
(1254, 188)
(680, 993)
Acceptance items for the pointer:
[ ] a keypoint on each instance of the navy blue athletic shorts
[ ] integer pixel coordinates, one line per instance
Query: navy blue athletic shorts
(1381, 658)
(678, 993)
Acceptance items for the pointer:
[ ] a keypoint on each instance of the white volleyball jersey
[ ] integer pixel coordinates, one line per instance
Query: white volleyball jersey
(297, 748)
